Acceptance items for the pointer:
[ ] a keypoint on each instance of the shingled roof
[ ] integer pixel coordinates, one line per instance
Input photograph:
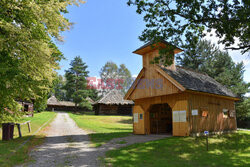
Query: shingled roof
(114, 97)
(55, 102)
(196, 81)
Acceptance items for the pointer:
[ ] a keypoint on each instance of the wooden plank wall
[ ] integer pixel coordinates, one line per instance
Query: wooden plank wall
(160, 85)
(175, 101)
(139, 128)
(181, 128)
(214, 121)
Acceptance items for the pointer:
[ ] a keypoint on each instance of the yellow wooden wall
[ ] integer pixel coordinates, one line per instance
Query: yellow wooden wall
(194, 124)
(214, 121)
(175, 101)
(139, 127)
(151, 75)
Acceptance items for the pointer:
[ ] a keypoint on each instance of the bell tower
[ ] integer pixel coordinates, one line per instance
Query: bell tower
(151, 50)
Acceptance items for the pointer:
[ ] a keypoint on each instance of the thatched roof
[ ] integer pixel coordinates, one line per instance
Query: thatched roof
(114, 97)
(90, 100)
(196, 81)
(55, 102)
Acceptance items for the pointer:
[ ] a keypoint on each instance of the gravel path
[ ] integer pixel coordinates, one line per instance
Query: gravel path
(68, 145)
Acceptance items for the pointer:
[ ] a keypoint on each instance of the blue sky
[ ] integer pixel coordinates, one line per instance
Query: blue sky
(103, 31)
(108, 31)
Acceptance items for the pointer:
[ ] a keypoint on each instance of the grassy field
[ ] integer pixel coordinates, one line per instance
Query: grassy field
(226, 150)
(8, 154)
(105, 128)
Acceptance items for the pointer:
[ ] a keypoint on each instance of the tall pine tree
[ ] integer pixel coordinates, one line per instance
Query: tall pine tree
(76, 82)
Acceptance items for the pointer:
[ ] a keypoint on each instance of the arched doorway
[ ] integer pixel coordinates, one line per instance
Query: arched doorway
(160, 116)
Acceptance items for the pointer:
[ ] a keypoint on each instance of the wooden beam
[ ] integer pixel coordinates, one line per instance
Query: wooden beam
(211, 94)
(169, 78)
(132, 88)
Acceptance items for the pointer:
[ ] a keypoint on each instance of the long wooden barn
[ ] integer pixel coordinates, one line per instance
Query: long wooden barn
(176, 100)
(113, 104)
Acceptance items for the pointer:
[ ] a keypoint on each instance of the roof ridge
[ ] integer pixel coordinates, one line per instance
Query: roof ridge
(106, 95)
(193, 70)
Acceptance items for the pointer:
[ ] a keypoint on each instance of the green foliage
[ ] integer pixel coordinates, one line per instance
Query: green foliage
(28, 57)
(40, 103)
(115, 78)
(243, 109)
(58, 88)
(11, 114)
(108, 74)
(125, 76)
(182, 22)
(76, 82)
(219, 65)
(93, 94)
(86, 105)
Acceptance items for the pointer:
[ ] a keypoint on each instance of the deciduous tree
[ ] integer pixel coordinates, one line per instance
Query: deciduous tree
(28, 57)
(114, 77)
(184, 22)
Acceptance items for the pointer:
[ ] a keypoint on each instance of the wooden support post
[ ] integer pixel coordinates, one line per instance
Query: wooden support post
(19, 130)
(29, 126)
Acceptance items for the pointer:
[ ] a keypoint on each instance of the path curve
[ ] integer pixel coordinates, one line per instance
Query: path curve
(68, 145)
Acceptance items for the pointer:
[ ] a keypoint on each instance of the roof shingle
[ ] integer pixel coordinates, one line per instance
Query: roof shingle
(196, 81)
(114, 97)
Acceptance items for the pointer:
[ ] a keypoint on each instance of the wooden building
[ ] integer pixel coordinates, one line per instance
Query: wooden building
(177, 100)
(53, 104)
(27, 106)
(113, 104)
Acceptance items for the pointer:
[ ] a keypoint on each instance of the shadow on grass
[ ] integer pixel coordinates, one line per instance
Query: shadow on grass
(79, 112)
(68, 150)
(127, 121)
(99, 139)
(14, 152)
(226, 150)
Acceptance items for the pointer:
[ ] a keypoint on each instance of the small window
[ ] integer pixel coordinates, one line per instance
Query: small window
(225, 113)
(141, 116)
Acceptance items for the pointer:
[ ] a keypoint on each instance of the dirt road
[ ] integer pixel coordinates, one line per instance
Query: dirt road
(68, 145)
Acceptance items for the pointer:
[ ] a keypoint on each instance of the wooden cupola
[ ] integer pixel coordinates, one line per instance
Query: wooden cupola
(151, 50)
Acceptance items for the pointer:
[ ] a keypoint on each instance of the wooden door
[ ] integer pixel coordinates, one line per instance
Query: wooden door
(139, 120)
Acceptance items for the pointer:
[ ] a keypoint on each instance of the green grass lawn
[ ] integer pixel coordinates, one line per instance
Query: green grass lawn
(224, 150)
(105, 128)
(8, 154)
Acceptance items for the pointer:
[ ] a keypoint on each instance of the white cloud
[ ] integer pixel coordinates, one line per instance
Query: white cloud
(134, 76)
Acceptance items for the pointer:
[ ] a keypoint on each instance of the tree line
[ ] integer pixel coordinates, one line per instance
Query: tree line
(74, 86)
